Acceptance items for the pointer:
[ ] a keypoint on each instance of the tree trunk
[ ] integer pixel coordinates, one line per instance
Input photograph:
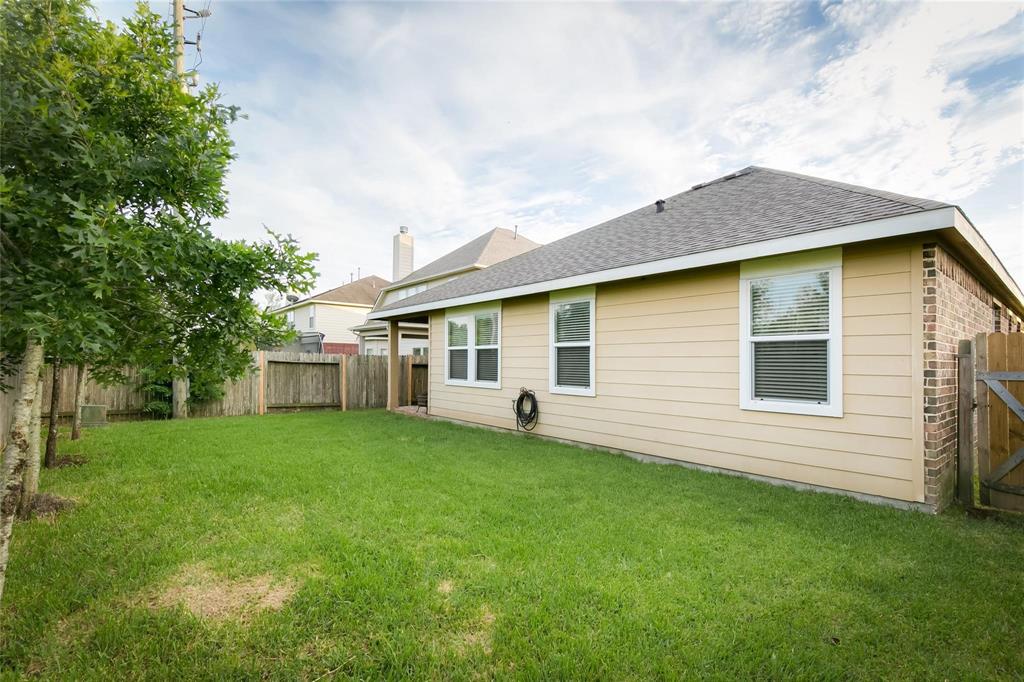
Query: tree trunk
(31, 483)
(51, 436)
(18, 444)
(76, 424)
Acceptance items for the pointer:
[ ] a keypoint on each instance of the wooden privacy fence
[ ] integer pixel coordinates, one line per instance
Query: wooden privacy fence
(991, 421)
(124, 401)
(279, 381)
(348, 382)
(302, 381)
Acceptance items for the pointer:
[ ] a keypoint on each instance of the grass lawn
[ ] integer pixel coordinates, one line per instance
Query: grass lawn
(371, 545)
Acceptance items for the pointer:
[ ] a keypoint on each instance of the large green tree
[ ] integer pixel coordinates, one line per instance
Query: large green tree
(109, 177)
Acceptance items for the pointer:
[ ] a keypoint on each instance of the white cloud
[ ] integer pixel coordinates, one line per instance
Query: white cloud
(454, 118)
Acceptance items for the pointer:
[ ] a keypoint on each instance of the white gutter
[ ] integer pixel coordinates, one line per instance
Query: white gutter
(431, 278)
(372, 326)
(310, 301)
(924, 221)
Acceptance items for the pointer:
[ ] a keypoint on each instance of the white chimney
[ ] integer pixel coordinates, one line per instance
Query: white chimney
(402, 259)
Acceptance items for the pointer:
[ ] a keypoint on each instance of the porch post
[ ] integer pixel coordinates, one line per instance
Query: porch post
(393, 369)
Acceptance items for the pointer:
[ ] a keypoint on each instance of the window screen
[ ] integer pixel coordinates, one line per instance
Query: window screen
(573, 366)
(458, 363)
(791, 370)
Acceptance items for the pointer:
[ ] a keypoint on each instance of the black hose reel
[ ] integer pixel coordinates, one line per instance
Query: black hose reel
(526, 410)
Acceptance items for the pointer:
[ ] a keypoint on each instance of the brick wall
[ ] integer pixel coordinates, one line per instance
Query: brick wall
(956, 306)
(1004, 320)
(342, 348)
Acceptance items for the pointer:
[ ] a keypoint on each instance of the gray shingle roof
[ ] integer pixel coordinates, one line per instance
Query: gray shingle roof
(489, 248)
(751, 205)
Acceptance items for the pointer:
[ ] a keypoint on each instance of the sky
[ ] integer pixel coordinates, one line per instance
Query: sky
(454, 118)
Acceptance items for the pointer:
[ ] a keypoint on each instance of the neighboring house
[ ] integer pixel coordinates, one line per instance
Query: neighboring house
(769, 323)
(373, 338)
(489, 248)
(324, 320)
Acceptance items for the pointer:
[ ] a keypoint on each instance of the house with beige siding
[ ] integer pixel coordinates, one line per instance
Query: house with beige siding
(324, 320)
(766, 323)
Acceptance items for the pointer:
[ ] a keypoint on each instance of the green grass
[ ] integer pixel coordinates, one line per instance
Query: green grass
(561, 562)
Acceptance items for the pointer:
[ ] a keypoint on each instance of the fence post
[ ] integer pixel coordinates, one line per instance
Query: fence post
(408, 380)
(981, 399)
(261, 406)
(965, 424)
(343, 383)
(179, 398)
(393, 369)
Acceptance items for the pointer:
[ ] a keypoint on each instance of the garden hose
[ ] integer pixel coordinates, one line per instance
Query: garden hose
(525, 407)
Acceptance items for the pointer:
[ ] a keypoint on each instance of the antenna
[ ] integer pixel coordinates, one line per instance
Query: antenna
(359, 273)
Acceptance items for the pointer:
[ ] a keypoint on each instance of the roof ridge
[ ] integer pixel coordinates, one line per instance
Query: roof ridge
(728, 176)
(476, 248)
(916, 202)
(490, 234)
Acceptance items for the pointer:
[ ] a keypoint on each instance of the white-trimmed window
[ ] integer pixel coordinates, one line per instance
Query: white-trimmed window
(290, 316)
(312, 317)
(473, 346)
(572, 342)
(791, 336)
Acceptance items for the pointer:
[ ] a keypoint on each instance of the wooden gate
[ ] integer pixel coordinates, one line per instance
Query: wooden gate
(991, 421)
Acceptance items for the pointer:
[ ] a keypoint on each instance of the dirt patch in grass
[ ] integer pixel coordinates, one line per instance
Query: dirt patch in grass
(73, 628)
(478, 635)
(49, 505)
(208, 595)
(70, 461)
(445, 587)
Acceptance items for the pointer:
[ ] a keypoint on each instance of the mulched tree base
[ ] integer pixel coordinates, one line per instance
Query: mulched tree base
(70, 461)
(48, 504)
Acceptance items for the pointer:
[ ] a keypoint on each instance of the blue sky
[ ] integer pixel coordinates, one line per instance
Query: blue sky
(456, 118)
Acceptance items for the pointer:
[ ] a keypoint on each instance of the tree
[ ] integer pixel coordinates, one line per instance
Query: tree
(31, 480)
(19, 442)
(81, 378)
(51, 434)
(110, 178)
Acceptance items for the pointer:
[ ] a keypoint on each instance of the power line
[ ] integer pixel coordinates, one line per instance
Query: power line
(202, 29)
(179, 38)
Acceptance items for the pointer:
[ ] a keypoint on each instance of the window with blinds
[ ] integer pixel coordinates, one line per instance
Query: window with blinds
(473, 348)
(572, 346)
(486, 346)
(458, 349)
(790, 346)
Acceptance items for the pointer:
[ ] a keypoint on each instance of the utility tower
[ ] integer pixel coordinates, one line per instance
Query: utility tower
(179, 37)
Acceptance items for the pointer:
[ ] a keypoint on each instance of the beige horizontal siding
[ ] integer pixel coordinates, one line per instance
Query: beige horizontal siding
(667, 366)
(335, 322)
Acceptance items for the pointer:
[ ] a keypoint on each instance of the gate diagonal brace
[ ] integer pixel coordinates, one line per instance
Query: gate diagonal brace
(997, 387)
(1006, 467)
